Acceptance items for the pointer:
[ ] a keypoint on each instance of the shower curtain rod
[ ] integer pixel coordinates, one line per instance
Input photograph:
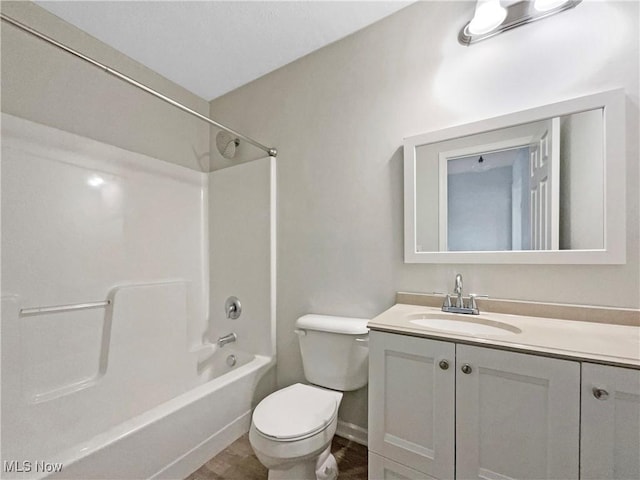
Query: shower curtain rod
(25, 28)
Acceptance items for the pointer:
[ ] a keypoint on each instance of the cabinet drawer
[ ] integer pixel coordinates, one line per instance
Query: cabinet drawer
(381, 468)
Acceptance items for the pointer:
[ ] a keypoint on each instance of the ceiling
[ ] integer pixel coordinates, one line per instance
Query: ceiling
(213, 47)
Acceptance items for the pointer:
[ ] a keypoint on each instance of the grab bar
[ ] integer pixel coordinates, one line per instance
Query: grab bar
(31, 311)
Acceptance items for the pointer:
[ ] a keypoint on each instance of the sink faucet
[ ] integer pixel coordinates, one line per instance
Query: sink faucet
(222, 341)
(471, 307)
(457, 289)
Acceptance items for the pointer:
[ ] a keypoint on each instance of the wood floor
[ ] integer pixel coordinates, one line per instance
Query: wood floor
(237, 462)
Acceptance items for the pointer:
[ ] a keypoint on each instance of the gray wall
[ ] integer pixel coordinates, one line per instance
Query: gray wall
(338, 117)
(48, 86)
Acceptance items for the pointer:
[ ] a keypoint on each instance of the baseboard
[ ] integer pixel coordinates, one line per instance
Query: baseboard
(352, 432)
(216, 443)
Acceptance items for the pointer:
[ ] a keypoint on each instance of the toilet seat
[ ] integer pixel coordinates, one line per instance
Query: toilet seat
(296, 412)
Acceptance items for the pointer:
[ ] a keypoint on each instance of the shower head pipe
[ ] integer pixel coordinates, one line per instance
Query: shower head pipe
(25, 28)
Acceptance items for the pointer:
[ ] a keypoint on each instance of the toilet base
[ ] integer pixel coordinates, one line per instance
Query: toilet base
(305, 470)
(323, 467)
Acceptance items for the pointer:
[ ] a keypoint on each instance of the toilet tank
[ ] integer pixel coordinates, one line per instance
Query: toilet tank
(335, 351)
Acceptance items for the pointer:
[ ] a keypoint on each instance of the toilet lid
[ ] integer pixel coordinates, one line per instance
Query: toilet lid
(296, 411)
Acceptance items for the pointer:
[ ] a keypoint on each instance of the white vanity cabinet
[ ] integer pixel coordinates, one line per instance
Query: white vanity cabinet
(517, 415)
(411, 405)
(484, 413)
(610, 441)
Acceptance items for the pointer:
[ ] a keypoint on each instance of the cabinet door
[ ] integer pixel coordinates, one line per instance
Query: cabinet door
(610, 443)
(381, 468)
(517, 415)
(411, 402)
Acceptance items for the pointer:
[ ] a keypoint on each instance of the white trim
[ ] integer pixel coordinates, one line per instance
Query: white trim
(411, 255)
(493, 147)
(443, 202)
(614, 251)
(554, 222)
(352, 432)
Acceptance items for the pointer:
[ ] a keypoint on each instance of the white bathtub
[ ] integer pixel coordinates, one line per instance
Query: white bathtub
(155, 408)
(176, 437)
(169, 440)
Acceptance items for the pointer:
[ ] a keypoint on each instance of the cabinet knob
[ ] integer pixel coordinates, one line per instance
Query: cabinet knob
(466, 368)
(600, 393)
(444, 365)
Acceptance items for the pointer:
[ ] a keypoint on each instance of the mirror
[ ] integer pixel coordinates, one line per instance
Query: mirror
(513, 188)
(538, 186)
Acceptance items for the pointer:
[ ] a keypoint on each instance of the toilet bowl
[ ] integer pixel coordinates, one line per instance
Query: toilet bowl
(291, 429)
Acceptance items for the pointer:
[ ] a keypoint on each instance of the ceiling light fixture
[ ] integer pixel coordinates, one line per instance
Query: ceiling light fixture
(491, 18)
(489, 15)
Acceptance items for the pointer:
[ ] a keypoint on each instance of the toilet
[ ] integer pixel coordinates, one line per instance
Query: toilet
(291, 429)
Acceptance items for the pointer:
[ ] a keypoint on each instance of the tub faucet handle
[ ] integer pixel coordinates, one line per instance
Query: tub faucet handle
(232, 308)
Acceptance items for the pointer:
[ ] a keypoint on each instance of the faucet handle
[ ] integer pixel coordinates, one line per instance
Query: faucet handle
(447, 298)
(447, 301)
(472, 300)
(232, 308)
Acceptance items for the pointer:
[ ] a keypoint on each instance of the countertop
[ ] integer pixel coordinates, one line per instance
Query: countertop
(570, 339)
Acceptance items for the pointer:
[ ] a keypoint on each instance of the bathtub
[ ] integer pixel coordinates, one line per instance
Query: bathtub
(172, 439)
(175, 438)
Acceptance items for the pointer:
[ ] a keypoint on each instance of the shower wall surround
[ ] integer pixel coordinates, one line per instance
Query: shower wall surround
(84, 222)
(242, 252)
(339, 116)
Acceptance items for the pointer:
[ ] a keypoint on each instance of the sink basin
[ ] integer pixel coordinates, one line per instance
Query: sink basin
(463, 324)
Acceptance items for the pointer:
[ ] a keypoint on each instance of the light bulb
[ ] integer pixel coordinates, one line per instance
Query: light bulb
(546, 5)
(95, 181)
(489, 15)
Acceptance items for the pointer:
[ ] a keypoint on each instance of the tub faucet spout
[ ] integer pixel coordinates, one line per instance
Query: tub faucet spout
(222, 341)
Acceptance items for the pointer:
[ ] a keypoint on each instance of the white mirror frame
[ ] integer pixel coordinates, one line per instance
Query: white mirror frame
(614, 251)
